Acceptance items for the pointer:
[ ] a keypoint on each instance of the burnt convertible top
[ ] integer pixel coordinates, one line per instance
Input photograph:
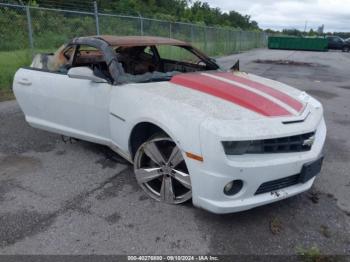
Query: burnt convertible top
(139, 40)
(134, 40)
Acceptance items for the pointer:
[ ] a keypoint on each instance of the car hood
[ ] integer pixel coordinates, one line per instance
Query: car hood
(246, 91)
(219, 95)
(230, 96)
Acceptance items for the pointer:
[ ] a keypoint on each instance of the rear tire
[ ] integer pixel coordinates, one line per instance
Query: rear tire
(161, 171)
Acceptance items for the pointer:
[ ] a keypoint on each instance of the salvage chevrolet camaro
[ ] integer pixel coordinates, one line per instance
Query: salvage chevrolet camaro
(229, 140)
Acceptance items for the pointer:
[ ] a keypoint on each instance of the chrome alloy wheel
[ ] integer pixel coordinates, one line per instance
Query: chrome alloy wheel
(161, 171)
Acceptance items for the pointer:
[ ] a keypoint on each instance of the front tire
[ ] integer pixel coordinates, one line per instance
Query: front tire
(161, 171)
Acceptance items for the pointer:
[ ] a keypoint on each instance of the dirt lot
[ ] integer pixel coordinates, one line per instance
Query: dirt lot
(81, 198)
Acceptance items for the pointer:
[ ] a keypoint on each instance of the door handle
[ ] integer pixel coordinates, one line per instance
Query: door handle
(24, 82)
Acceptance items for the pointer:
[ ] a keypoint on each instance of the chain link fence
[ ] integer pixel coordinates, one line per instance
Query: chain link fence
(26, 30)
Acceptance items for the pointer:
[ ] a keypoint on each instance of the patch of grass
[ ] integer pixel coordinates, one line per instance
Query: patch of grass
(9, 62)
(312, 254)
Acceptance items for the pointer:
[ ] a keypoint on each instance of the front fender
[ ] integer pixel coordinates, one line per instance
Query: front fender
(180, 121)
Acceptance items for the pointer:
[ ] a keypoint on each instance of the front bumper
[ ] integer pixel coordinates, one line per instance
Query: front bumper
(210, 177)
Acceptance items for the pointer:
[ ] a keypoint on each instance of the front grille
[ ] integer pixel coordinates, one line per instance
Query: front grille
(297, 143)
(278, 184)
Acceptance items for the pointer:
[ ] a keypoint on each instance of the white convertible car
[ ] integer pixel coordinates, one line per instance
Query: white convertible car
(229, 140)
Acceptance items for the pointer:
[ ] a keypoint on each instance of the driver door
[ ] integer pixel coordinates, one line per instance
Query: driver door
(71, 106)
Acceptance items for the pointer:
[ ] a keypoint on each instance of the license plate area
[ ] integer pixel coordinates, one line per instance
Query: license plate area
(310, 170)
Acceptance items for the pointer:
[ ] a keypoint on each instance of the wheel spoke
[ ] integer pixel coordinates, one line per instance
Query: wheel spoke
(167, 191)
(144, 175)
(183, 178)
(152, 151)
(175, 157)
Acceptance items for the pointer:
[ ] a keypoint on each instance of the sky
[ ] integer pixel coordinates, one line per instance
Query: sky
(277, 15)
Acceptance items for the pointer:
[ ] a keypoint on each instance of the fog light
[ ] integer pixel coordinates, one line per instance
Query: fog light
(228, 187)
(233, 187)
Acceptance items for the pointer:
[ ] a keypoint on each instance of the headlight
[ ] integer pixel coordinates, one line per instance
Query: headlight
(289, 144)
(242, 147)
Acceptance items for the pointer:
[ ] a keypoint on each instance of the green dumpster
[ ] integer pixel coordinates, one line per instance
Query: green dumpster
(297, 43)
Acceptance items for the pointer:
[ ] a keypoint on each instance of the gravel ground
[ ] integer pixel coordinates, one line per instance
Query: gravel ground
(81, 198)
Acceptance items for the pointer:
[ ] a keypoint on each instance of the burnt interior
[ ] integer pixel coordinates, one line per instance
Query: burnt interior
(137, 63)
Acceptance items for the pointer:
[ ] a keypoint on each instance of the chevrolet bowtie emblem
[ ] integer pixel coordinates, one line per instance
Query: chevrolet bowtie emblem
(309, 141)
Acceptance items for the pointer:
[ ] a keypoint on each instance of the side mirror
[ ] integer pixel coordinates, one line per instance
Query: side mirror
(84, 72)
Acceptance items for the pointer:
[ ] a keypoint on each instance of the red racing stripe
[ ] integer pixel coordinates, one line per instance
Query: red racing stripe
(292, 102)
(230, 92)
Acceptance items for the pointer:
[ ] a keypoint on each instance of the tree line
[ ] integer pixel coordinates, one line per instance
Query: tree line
(172, 10)
(309, 33)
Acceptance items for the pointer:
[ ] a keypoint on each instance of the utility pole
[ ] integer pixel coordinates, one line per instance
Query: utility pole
(305, 26)
(30, 29)
(96, 18)
(141, 23)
